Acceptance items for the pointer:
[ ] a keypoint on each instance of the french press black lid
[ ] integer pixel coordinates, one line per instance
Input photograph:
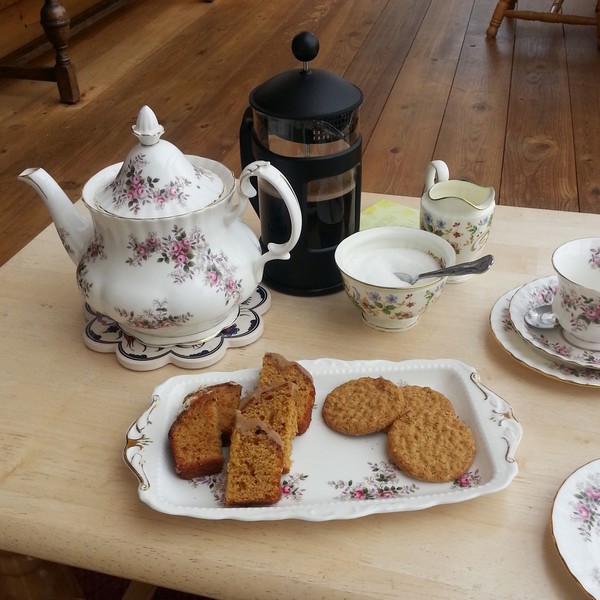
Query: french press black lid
(306, 93)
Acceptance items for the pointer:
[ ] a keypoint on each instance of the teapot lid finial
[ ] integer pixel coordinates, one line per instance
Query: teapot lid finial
(156, 179)
(147, 129)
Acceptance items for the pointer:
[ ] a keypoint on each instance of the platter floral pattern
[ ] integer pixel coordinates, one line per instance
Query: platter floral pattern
(291, 486)
(348, 477)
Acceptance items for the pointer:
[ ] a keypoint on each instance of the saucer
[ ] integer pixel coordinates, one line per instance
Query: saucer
(102, 334)
(551, 341)
(510, 339)
(575, 528)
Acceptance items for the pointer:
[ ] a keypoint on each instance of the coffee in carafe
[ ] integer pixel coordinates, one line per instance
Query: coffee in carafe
(305, 122)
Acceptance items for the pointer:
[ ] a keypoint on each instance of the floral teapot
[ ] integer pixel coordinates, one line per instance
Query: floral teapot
(165, 254)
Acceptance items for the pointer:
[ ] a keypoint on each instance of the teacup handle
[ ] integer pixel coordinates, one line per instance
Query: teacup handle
(436, 171)
(265, 170)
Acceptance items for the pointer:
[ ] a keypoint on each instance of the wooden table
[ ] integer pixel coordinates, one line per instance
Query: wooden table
(66, 494)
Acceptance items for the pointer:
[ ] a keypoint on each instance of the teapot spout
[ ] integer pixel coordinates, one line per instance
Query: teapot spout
(75, 230)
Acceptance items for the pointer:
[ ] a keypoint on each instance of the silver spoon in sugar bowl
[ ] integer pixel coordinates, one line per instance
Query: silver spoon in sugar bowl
(473, 267)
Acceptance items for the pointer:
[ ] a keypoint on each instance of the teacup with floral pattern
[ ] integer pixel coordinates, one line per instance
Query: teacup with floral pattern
(577, 301)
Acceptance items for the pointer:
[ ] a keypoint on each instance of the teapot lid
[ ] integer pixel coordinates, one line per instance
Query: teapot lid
(156, 179)
(306, 93)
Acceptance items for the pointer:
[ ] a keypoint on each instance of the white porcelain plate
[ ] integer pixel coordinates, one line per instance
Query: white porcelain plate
(508, 337)
(333, 476)
(551, 341)
(576, 525)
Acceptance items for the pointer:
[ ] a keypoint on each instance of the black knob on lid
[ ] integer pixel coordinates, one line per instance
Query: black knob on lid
(305, 46)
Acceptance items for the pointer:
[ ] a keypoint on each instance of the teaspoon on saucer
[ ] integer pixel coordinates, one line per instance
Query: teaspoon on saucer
(541, 317)
(480, 265)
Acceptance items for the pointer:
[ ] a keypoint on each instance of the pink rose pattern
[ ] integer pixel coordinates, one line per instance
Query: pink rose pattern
(384, 483)
(586, 507)
(290, 486)
(137, 191)
(595, 258)
(544, 294)
(584, 311)
(583, 373)
(157, 317)
(190, 255)
(94, 252)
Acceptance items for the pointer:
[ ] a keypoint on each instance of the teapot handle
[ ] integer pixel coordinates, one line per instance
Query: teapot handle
(265, 170)
(437, 170)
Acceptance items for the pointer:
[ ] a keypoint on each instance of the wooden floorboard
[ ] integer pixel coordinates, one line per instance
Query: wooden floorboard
(404, 139)
(519, 112)
(584, 86)
(539, 161)
(473, 128)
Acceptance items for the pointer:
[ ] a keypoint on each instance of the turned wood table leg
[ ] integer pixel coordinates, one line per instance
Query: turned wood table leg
(55, 22)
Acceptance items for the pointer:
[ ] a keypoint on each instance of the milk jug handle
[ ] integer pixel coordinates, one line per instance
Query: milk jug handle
(265, 170)
(437, 170)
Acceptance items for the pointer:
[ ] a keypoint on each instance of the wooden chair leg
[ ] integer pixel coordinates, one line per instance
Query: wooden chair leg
(496, 21)
(55, 22)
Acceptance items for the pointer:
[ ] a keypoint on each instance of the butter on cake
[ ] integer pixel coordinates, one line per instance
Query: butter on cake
(255, 464)
(277, 369)
(276, 407)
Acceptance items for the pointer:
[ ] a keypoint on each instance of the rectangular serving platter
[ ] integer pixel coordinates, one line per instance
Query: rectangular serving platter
(333, 476)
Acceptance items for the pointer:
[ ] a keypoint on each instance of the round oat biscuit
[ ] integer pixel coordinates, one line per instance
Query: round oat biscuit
(362, 406)
(424, 399)
(431, 447)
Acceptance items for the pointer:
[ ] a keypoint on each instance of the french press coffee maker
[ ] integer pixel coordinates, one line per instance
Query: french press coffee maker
(305, 123)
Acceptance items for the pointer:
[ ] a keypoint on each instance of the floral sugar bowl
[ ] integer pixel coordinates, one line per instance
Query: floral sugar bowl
(458, 211)
(165, 253)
